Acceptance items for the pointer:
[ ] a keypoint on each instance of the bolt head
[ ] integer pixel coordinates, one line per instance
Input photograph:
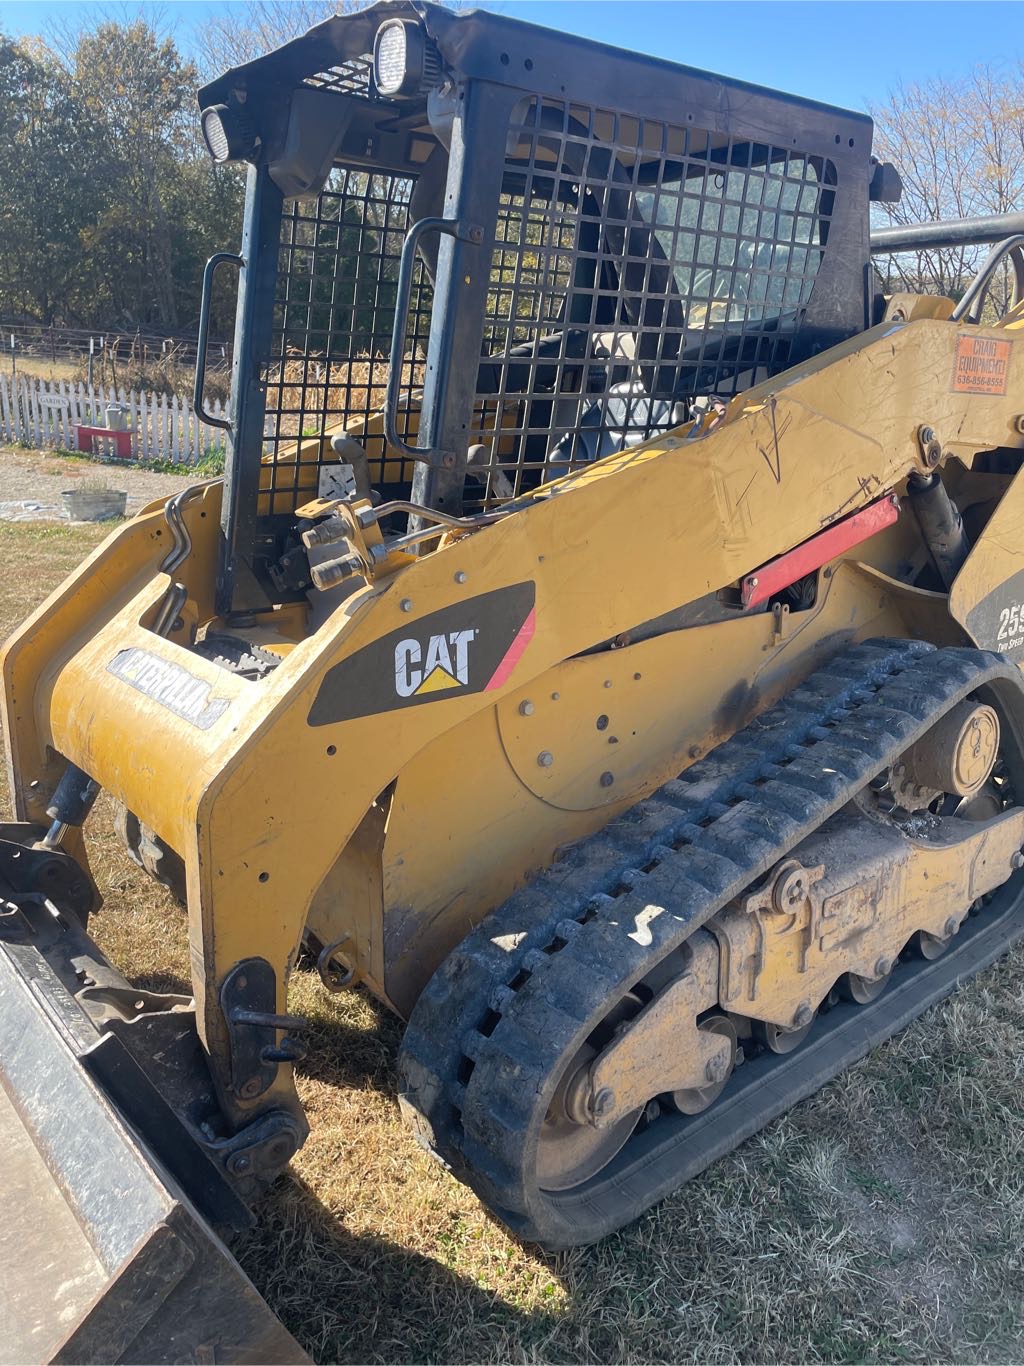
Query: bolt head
(602, 1104)
(526, 707)
(406, 604)
(883, 967)
(790, 890)
(715, 1069)
(1017, 860)
(239, 1163)
(460, 577)
(802, 1016)
(607, 779)
(250, 1089)
(545, 758)
(950, 927)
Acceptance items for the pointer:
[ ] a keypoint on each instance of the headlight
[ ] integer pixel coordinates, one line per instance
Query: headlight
(228, 134)
(405, 61)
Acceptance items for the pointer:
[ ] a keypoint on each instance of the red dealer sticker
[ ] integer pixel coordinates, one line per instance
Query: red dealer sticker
(981, 366)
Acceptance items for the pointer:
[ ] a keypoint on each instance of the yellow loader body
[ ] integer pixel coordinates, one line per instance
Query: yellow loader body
(603, 646)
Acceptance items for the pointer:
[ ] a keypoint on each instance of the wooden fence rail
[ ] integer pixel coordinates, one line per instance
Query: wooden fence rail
(44, 413)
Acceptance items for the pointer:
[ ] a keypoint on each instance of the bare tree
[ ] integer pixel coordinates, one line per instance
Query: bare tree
(249, 28)
(246, 31)
(959, 148)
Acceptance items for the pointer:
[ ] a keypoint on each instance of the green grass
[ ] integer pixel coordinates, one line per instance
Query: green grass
(881, 1220)
(206, 467)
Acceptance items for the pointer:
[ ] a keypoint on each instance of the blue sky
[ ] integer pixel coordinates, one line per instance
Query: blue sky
(846, 52)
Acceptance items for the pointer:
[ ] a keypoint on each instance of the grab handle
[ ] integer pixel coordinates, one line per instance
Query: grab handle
(219, 258)
(447, 227)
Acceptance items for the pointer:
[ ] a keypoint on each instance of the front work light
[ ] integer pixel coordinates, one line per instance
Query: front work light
(228, 134)
(405, 61)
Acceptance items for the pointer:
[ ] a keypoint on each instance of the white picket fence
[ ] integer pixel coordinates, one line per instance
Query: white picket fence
(44, 413)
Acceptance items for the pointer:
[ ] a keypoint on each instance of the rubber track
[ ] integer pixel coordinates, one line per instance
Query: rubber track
(512, 1003)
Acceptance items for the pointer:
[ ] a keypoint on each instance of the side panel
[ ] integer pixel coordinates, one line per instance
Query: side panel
(988, 595)
(560, 757)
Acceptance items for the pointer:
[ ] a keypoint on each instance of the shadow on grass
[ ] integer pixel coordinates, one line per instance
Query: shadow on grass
(349, 1298)
(358, 1297)
(357, 1049)
(352, 1044)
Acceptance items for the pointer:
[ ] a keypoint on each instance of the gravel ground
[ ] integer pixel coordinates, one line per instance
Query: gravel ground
(31, 483)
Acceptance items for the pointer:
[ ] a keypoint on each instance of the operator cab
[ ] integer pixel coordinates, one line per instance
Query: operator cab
(478, 254)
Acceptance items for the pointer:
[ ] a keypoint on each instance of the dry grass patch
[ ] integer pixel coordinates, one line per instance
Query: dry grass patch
(41, 367)
(882, 1220)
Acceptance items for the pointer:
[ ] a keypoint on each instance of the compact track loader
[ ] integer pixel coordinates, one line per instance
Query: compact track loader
(603, 645)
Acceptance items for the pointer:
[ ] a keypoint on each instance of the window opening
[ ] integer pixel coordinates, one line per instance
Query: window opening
(637, 265)
(334, 315)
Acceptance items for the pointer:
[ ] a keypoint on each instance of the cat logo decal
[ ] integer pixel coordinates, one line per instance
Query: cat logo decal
(470, 647)
(442, 663)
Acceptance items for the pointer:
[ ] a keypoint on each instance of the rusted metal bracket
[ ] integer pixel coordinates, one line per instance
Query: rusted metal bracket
(929, 447)
(662, 1049)
(247, 998)
(28, 870)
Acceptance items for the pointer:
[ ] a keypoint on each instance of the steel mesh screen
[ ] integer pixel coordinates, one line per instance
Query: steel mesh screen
(333, 319)
(637, 265)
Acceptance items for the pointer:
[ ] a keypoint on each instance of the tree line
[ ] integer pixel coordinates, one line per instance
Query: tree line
(959, 149)
(109, 204)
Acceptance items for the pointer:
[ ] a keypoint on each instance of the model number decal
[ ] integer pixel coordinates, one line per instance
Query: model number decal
(996, 621)
(1011, 626)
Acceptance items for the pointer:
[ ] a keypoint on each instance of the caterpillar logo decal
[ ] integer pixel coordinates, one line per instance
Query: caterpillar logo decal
(170, 685)
(446, 664)
(470, 647)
